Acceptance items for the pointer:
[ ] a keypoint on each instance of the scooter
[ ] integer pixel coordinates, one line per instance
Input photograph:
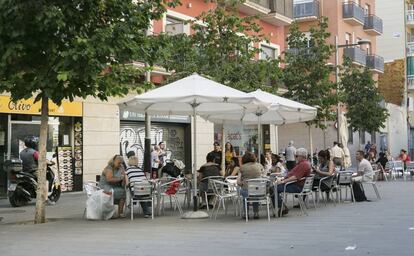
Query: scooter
(23, 185)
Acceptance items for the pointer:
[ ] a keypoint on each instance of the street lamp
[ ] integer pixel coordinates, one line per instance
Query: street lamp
(337, 46)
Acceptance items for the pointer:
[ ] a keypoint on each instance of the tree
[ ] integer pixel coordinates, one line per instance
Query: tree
(223, 47)
(307, 75)
(362, 98)
(65, 49)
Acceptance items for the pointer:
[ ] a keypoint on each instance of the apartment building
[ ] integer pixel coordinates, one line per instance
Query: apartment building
(396, 46)
(349, 23)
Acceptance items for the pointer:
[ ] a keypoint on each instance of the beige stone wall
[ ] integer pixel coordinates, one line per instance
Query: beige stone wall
(101, 136)
(205, 139)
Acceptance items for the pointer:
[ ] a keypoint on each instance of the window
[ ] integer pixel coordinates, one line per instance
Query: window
(174, 26)
(368, 49)
(268, 52)
(367, 9)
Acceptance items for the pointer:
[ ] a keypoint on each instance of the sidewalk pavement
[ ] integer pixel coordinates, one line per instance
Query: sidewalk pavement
(384, 227)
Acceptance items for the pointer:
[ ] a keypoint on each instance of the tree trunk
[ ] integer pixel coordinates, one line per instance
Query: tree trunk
(41, 171)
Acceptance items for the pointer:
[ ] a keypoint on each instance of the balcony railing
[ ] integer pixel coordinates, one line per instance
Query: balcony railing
(353, 13)
(283, 7)
(356, 54)
(306, 10)
(375, 63)
(410, 16)
(373, 25)
(410, 48)
(410, 82)
(275, 12)
(263, 3)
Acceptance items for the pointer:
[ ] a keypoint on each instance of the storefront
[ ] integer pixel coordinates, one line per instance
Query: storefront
(65, 141)
(174, 131)
(243, 137)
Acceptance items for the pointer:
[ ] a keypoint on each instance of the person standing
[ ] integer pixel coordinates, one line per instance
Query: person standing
(229, 153)
(216, 153)
(162, 155)
(367, 147)
(290, 153)
(155, 162)
(338, 155)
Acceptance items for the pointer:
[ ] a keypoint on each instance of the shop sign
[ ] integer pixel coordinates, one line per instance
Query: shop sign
(127, 115)
(28, 107)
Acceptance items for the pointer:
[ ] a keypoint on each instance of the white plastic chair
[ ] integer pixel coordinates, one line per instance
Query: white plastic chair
(374, 184)
(306, 191)
(257, 193)
(142, 192)
(223, 191)
(409, 171)
(345, 181)
(162, 192)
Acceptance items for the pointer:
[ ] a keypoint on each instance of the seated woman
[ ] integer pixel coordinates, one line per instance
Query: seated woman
(326, 168)
(250, 169)
(277, 166)
(233, 167)
(113, 178)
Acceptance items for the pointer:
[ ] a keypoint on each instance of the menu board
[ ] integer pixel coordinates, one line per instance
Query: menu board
(78, 148)
(65, 168)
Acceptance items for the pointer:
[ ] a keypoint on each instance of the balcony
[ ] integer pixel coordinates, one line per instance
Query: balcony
(353, 14)
(410, 18)
(357, 55)
(274, 12)
(306, 11)
(373, 25)
(410, 48)
(375, 63)
(410, 82)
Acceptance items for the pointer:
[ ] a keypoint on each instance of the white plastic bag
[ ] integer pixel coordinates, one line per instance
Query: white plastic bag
(99, 206)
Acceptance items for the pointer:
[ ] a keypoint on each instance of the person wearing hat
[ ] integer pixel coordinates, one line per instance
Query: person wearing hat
(216, 153)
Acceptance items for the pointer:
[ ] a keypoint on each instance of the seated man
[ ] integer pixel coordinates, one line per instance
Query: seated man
(137, 175)
(302, 169)
(208, 169)
(365, 172)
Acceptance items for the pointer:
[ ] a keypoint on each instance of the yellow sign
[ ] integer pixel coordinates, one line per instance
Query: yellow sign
(28, 107)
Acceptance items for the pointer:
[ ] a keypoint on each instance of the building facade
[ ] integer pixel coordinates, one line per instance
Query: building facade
(349, 22)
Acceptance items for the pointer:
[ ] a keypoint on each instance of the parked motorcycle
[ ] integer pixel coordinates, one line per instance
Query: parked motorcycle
(23, 185)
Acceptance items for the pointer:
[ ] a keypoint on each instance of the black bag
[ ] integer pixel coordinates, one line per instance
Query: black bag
(171, 169)
(359, 193)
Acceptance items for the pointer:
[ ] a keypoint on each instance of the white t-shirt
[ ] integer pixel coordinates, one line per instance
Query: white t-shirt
(154, 159)
(365, 168)
(290, 152)
(337, 152)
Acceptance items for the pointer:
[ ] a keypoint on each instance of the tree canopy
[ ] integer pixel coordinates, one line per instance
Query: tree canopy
(362, 98)
(68, 49)
(306, 75)
(224, 47)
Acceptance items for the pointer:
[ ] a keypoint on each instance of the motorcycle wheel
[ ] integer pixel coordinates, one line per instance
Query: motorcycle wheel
(54, 197)
(16, 201)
